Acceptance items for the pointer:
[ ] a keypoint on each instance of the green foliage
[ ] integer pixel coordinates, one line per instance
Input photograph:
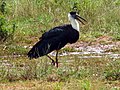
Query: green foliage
(102, 16)
(6, 28)
(34, 17)
(3, 6)
(3, 31)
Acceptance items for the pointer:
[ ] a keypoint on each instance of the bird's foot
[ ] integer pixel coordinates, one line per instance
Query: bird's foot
(57, 64)
(53, 63)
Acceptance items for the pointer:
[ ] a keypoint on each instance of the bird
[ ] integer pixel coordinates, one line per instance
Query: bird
(57, 37)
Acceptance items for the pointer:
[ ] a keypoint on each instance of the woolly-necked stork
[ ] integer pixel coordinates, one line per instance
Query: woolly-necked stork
(56, 38)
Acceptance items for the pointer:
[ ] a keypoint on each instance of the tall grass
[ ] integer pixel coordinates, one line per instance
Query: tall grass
(33, 16)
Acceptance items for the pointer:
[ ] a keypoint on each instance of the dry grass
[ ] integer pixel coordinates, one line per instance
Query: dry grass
(73, 84)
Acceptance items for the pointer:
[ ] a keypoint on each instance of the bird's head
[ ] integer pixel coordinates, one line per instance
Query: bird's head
(75, 16)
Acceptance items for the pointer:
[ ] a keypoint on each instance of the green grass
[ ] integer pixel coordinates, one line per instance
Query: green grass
(73, 73)
(32, 18)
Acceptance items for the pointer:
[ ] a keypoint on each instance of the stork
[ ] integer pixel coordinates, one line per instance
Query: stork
(56, 38)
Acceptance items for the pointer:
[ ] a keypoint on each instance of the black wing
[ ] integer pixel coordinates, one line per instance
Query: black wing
(53, 32)
(54, 39)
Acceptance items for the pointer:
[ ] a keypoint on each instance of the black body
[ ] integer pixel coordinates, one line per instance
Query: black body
(54, 39)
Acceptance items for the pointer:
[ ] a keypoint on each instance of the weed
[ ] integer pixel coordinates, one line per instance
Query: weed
(3, 31)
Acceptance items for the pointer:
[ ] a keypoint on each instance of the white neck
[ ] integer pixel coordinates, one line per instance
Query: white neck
(74, 22)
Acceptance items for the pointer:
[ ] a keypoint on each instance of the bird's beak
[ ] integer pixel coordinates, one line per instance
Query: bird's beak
(81, 19)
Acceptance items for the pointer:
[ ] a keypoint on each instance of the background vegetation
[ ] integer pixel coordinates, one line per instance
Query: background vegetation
(32, 17)
(22, 22)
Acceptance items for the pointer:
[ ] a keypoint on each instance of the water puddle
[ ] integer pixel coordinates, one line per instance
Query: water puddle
(97, 51)
(93, 51)
(89, 54)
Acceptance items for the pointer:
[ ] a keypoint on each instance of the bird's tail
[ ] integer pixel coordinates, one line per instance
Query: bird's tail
(41, 48)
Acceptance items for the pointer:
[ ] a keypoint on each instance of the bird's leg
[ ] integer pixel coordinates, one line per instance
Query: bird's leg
(53, 62)
(56, 58)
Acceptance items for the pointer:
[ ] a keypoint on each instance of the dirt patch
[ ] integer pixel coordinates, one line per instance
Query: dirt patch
(103, 43)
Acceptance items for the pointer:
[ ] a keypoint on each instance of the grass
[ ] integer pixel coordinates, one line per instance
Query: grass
(30, 18)
(73, 84)
(39, 16)
(34, 17)
(73, 73)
